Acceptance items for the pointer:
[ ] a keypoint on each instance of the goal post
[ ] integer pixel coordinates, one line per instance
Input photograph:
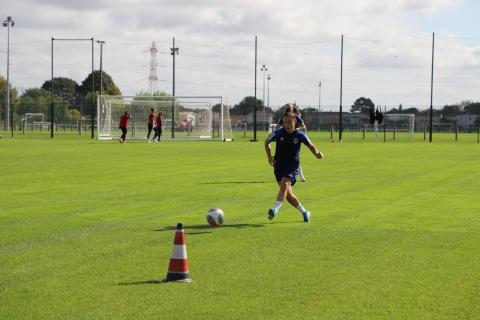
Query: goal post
(185, 117)
(402, 122)
(32, 119)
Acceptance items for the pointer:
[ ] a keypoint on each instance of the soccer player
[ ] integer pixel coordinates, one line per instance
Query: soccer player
(150, 120)
(286, 162)
(124, 125)
(290, 108)
(158, 127)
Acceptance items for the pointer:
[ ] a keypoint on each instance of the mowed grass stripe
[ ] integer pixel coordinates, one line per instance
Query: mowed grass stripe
(394, 231)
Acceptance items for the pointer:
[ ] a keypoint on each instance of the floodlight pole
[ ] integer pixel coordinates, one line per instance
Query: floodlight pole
(268, 91)
(52, 105)
(101, 43)
(340, 127)
(319, 102)
(93, 92)
(431, 90)
(8, 23)
(384, 123)
(478, 128)
(173, 53)
(264, 69)
(255, 98)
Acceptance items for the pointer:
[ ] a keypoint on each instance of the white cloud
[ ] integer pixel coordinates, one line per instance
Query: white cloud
(385, 57)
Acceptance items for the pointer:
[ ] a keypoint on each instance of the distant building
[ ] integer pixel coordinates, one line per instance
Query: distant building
(238, 119)
(423, 119)
(262, 118)
(465, 121)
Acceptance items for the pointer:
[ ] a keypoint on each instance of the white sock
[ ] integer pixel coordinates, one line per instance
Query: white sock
(300, 172)
(301, 208)
(277, 205)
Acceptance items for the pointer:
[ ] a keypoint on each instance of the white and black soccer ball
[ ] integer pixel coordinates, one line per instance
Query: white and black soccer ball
(215, 217)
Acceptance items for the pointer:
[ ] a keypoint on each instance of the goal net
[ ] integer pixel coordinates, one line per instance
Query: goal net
(183, 117)
(401, 123)
(33, 121)
(442, 127)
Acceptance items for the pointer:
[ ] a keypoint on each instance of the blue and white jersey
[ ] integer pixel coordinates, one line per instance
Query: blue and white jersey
(287, 151)
(297, 125)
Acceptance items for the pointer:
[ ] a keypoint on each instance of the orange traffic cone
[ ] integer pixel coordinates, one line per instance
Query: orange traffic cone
(178, 266)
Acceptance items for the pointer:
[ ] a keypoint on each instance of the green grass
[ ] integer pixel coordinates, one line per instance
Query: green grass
(395, 230)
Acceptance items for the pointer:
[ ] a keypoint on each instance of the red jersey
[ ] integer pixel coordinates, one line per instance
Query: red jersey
(151, 116)
(158, 121)
(124, 121)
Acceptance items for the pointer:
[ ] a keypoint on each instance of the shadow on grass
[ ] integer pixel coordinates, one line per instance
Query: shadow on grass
(207, 227)
(235, 182)
(136, 283)
(193, 233)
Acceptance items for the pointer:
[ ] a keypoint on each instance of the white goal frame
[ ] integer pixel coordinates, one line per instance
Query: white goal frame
(442, 127)
(188, 107)
(410, 118)
(25, 119)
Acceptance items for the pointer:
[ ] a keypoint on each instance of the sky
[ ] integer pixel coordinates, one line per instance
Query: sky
(387, 48)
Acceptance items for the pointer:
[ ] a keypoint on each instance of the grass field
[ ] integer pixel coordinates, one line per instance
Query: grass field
(84, 225)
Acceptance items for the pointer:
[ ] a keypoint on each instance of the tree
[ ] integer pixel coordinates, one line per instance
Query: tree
(473, 108)
(109, 87)
(309, 110)
(3, 96)
(73, 115)
(157, 93)
(33, 100)
(245, 106)
(88, 102)
(451, 110)
(65, 88)
(362, 105)
(410, 110)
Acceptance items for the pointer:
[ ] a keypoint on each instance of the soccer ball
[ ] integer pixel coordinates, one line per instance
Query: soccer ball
(215, 217)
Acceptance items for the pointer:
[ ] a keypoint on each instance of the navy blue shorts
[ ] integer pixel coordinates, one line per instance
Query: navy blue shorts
(290, 173)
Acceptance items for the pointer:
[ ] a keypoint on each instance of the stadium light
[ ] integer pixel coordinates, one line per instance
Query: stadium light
(255, 96)
(319, 102)
(101, 43)
(8, 23)
(319, 95)
(264, 69)
(173, 52)
(268, 90)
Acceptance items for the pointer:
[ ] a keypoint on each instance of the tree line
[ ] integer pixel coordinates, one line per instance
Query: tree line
(363, 105)
(72, 100)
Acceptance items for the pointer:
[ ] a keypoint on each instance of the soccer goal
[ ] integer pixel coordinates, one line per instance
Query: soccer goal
(401, 123)
(442, 127)
(34, 120)
(195, 118)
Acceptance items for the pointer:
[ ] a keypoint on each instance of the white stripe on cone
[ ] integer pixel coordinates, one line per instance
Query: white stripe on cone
(179, 251)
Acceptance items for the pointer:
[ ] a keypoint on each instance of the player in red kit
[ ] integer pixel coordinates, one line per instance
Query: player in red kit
(151, 119)
(124, 125)
(158, 127)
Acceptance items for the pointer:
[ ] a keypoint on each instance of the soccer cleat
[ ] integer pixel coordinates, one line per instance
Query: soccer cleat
(304, 180)
(272, 213)
(306, 216)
